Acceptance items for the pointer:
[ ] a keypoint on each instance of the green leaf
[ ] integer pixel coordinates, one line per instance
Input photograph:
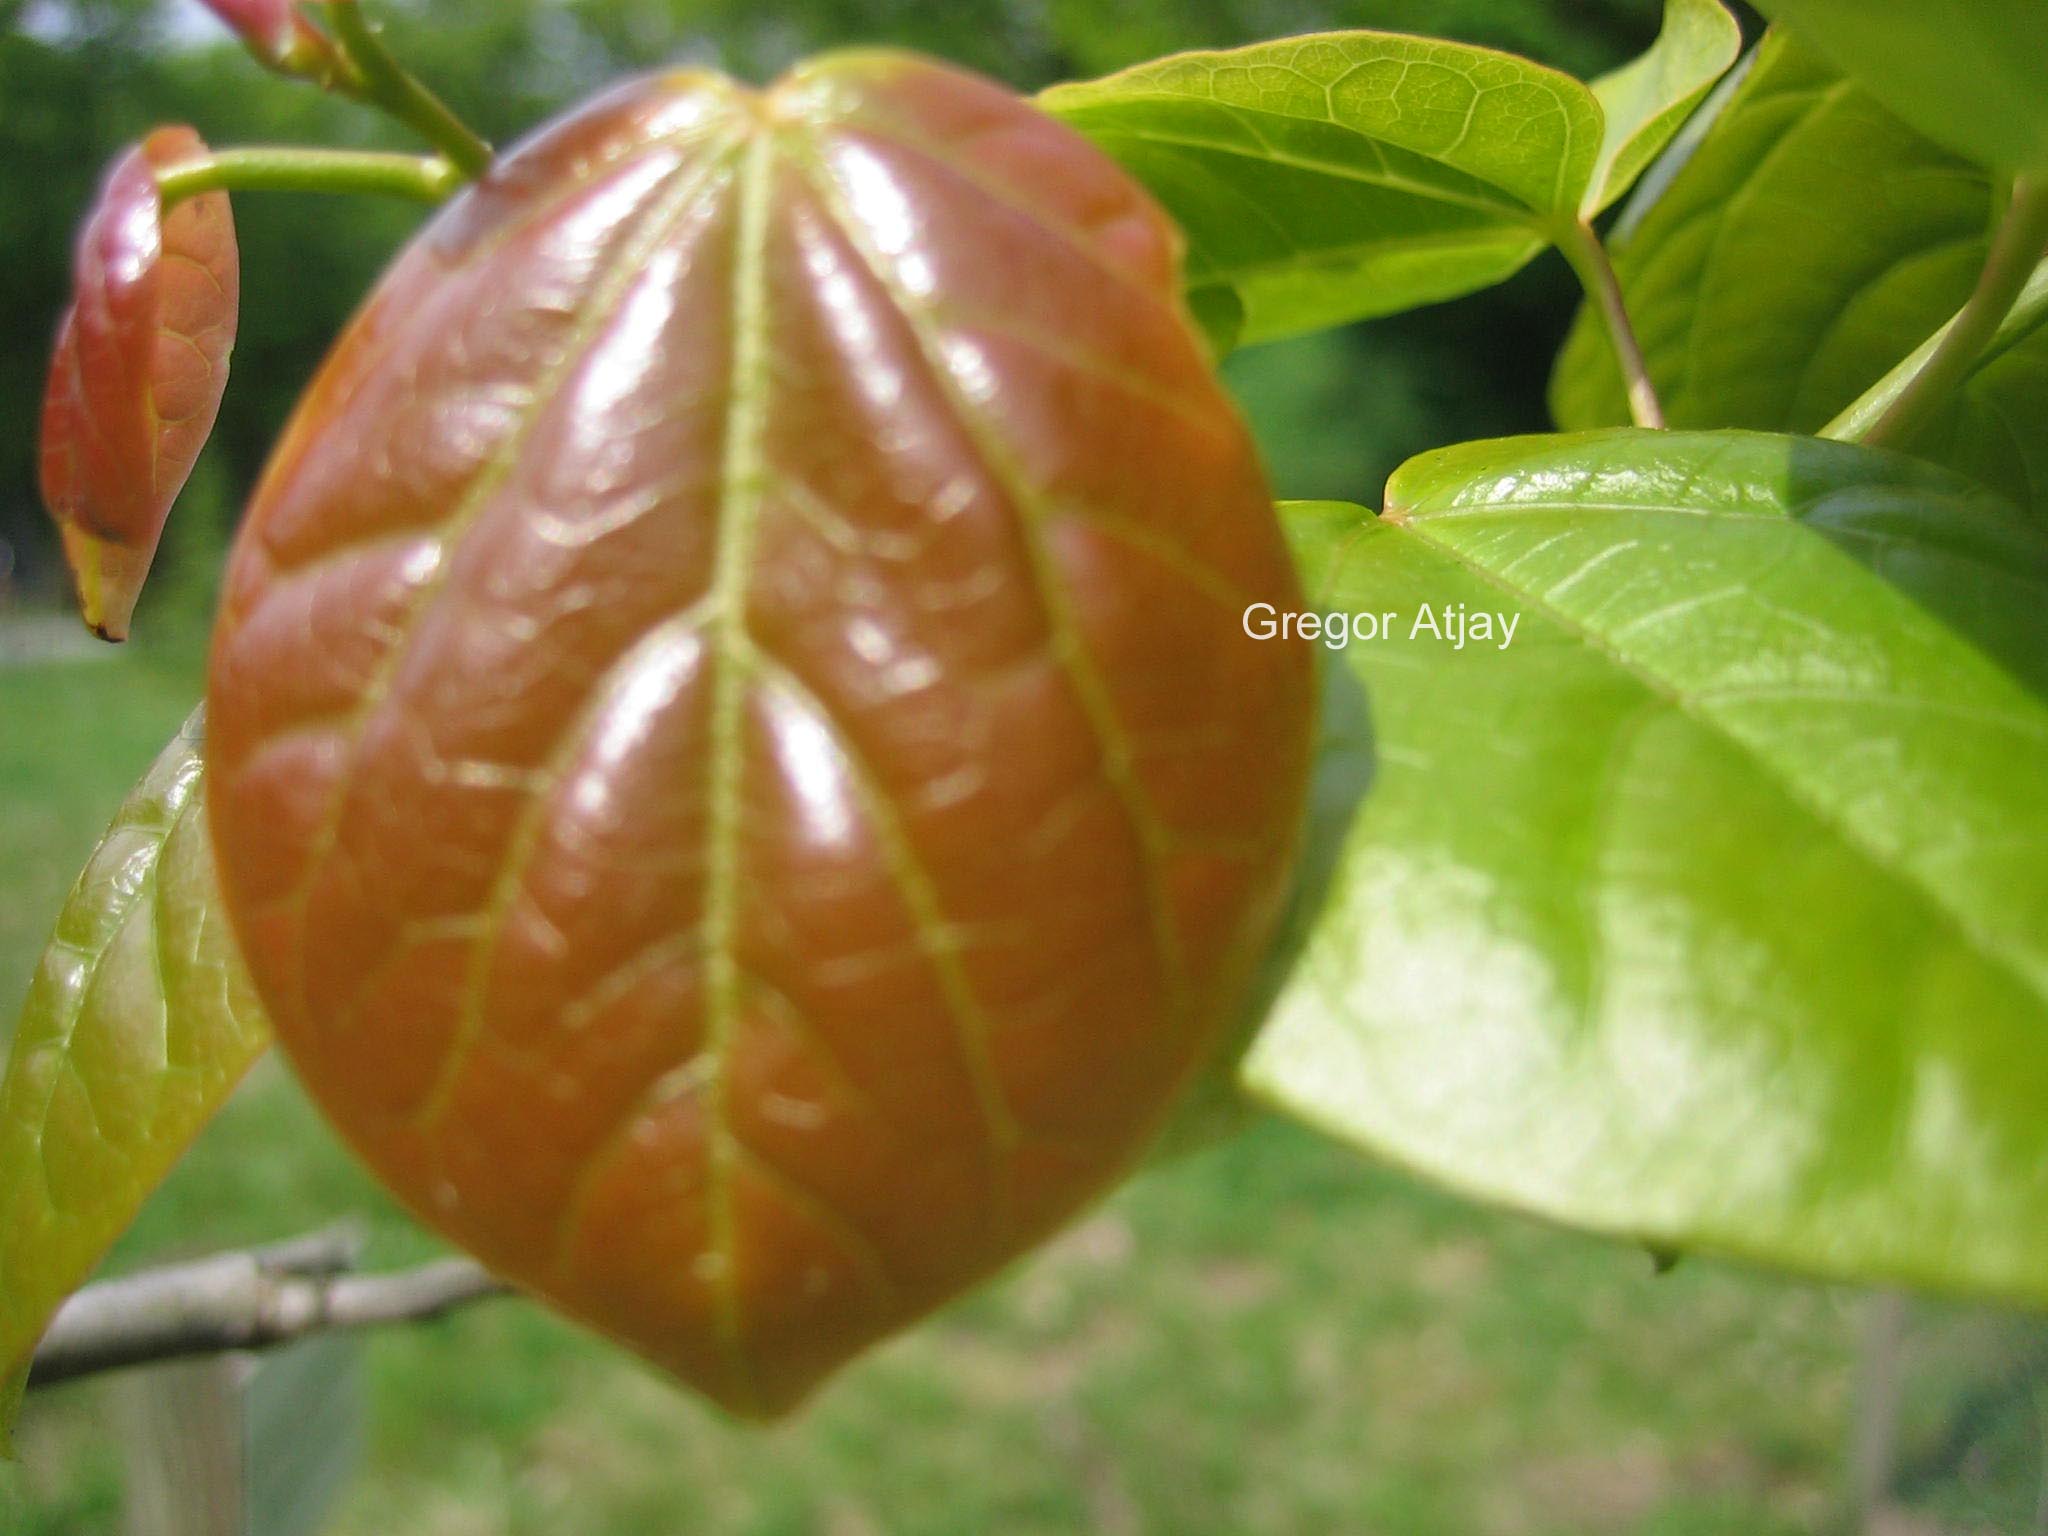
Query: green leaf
(138, 1024)
(1970, 74)
(1340, 176)
(1810, 243)
(1646, 102)
(1710, 911)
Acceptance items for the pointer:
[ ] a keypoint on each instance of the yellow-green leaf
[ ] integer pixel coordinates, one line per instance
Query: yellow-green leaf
(1711, 910)
(139, 1023)
(1347, 174)
(1344, 175)
(1646, 102)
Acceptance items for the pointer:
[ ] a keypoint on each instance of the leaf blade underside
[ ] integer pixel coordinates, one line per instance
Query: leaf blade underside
(1708, 912)
(1345, 175)
(1967, 75)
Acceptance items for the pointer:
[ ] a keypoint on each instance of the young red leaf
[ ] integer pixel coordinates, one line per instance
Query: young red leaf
(740, 772)
(140, 366)
(274, 31)
(266, 26)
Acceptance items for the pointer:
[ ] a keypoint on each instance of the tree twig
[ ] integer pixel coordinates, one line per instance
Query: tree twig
(1874, 1446)
(243, 1301)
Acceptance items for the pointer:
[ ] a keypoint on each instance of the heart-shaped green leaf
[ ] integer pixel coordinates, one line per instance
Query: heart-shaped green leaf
(138, 1024)
(1971, 74)
(1711, 910)
(1350, 174)
(1646, 102)
(1344, 175)
(1811, 242)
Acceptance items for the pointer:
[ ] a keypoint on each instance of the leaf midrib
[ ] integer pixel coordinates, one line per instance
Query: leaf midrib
(1511, 207)
(740, 495)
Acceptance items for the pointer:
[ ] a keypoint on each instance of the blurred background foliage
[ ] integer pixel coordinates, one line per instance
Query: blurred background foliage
(1271, 1337)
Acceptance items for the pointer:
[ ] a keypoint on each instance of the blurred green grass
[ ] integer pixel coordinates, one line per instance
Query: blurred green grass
(1270, 1337)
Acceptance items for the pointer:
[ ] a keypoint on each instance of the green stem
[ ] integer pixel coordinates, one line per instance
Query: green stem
(428, 179)
(2029, 313)
(1894, 409)
(1583, 248)
(378, 79)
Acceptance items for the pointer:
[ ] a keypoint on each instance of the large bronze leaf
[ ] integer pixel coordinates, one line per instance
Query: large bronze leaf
(739, 772)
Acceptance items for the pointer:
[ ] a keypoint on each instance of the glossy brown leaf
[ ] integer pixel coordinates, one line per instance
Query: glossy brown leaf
(140, 366)
(739, 773)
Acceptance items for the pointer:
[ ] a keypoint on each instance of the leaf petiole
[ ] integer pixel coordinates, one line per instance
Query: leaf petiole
(2029, 313)
(375, 77)
(1584, 249)
(424, 178)
(2009, 289)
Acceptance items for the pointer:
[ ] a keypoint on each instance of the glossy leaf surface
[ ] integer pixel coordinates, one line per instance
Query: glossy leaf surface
(1644, 103)
(751, 801)
(1970, 74)
(1713, 910)
(139, 1023)
(1812, 242)
(141, 363)
(1345, 175)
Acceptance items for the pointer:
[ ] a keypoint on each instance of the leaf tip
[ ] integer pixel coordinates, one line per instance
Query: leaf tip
(106, 580)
